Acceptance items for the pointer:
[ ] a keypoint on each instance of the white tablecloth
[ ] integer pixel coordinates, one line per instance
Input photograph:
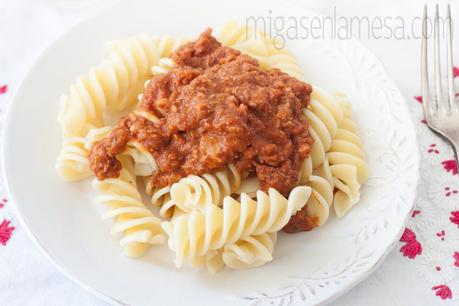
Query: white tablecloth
(423, 269)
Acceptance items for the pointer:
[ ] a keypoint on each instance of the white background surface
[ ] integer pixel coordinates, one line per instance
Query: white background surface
(27, 27)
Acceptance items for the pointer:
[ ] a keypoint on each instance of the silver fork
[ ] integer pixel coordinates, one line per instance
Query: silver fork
(441, 113)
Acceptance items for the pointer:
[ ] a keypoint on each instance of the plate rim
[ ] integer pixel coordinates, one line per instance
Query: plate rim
(5, 132)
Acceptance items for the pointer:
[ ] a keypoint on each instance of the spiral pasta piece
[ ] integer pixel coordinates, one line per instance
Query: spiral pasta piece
(162, 198)
(318, 206)
(95, 135)
(144, 162)
(137, 225)
(305, 171)
(113, 85)
(249, 252)
(253, 44)
(324, 171)
(107, 86)
(337, 153)
(233, 32)
(323, 114)
(193, 235)
(73, 163)
(249, 186)
(213, 261)
(168, 44)
(285, 62)
(195, 192)
(347, 162)
(347, 146)
(345, 180)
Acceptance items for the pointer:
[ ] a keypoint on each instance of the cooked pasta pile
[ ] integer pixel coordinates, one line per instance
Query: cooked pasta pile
(213, 219)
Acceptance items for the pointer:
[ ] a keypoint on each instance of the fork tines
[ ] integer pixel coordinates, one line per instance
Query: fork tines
(437, 105)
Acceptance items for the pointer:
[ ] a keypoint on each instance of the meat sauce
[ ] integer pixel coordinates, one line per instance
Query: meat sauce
(216, 107)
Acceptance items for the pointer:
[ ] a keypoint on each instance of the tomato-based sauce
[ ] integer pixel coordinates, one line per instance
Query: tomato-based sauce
(301, 222)
(216, 107)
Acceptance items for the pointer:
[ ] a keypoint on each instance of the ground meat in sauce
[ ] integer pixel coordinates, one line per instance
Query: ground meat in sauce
(216, 107)
(301, 222)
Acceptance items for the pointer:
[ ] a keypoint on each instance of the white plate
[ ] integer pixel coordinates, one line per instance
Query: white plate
(308, 268)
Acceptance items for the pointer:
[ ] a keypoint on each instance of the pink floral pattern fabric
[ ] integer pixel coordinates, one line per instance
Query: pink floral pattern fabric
(3, 89)
(6, 228)
(412, 247)
(431, 238)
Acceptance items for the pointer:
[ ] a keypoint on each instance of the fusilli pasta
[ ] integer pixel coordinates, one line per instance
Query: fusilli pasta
(95, 135)
(321, 182)
(249, 252)
(144, 162)
(113, 85)
(337, 154)
(72, 162)
(137, 225)
(193, 235)
(249, 186)
(347, 162)
(194, 191)
(323, 115)
(161, 197)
